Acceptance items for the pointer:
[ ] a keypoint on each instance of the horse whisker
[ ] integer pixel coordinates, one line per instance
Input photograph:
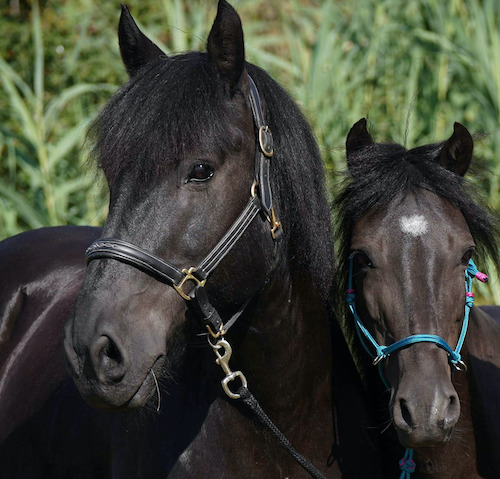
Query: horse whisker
(157, 390)
(386, 428)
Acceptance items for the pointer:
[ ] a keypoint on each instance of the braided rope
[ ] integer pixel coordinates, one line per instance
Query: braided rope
(407, 464)
(248, 398)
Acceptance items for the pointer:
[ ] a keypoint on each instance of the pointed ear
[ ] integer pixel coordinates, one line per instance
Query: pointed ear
(225, 45)
(136, 49)
(456, 153)
(357, 138)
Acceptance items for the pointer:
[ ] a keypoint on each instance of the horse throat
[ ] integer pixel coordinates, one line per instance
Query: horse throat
(286, 352)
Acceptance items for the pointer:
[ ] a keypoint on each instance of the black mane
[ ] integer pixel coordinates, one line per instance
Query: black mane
(176, 102)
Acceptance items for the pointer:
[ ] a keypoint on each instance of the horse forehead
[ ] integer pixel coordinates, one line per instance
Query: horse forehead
(428, 216)
(423, 221)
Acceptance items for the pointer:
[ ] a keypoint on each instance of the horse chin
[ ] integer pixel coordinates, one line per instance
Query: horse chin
(417, 438)
(126, 395)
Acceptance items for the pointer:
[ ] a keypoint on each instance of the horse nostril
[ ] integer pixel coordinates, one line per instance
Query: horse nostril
(108, 360)
(452, 412)
(111, 351)
(405, 412)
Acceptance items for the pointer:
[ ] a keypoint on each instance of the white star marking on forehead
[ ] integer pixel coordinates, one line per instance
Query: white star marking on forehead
(415, 225)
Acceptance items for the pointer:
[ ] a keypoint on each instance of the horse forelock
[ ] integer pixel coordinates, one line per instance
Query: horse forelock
(177, 104)
(173, 106)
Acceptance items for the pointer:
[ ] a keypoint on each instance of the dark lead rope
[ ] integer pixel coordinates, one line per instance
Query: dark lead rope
(249, 400)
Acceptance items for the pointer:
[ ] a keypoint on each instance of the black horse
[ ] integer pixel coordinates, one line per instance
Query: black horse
(37, 296)
(179, 145)
(409, 225)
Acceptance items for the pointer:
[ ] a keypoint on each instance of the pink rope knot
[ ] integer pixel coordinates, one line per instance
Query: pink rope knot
(350, 291)
(482, 277)
(407, 465)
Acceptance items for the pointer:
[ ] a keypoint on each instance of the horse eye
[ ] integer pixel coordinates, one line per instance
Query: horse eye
(467, 256)
(201, 172)
(362, 260)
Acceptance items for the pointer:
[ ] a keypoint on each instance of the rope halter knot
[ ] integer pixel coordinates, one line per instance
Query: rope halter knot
(407, 465)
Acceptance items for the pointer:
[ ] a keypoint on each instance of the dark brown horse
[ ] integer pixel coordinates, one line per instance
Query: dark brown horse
(409, 227)
(179, 145)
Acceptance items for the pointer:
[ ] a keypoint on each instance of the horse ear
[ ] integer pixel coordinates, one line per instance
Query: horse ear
(136, 49)
(357, 138)
(456, 153)
(225, 45)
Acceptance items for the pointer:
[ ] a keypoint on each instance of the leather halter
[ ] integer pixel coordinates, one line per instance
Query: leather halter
(260, 202)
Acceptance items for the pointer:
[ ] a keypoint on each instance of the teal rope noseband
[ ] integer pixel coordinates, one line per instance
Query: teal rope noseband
(383, 352)
(406, 464)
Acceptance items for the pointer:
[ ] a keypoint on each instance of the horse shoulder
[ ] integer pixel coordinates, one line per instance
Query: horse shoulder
(42, 272)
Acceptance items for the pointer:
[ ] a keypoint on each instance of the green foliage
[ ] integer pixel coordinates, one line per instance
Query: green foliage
(412, 68)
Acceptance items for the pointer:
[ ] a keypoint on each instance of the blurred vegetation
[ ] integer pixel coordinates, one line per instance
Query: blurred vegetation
(412, 68)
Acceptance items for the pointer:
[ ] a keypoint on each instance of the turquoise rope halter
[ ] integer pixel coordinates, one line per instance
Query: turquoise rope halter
(406, 464)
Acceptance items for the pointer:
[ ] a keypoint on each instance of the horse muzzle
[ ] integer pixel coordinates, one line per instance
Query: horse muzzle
(425, 411)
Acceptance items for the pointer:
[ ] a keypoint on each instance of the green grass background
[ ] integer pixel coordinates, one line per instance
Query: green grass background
(411, 67)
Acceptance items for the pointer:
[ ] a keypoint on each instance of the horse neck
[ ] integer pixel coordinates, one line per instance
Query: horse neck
(285, 353)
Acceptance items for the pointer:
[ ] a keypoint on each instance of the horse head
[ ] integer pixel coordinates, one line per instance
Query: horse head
(177, 145)
(410, 229)
(217, 203)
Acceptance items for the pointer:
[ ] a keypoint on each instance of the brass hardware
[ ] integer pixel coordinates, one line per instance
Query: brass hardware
(253, 189)
(189, 277)
(262, 131)
(223, 361)
(220, 333)
(275, 224)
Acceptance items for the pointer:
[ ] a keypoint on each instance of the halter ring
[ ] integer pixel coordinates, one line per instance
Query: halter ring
(266, 141)
(460, 366)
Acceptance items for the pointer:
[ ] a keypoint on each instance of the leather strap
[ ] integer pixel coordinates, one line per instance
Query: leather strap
(135, 256)
(264, 150)
(222, 248)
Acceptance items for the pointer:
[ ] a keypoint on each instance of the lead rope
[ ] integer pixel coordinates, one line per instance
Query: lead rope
(246, 397)
(406, 463)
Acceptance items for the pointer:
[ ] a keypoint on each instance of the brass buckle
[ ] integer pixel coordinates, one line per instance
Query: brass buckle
(275, 224)
(263, 130)
(189, 277)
